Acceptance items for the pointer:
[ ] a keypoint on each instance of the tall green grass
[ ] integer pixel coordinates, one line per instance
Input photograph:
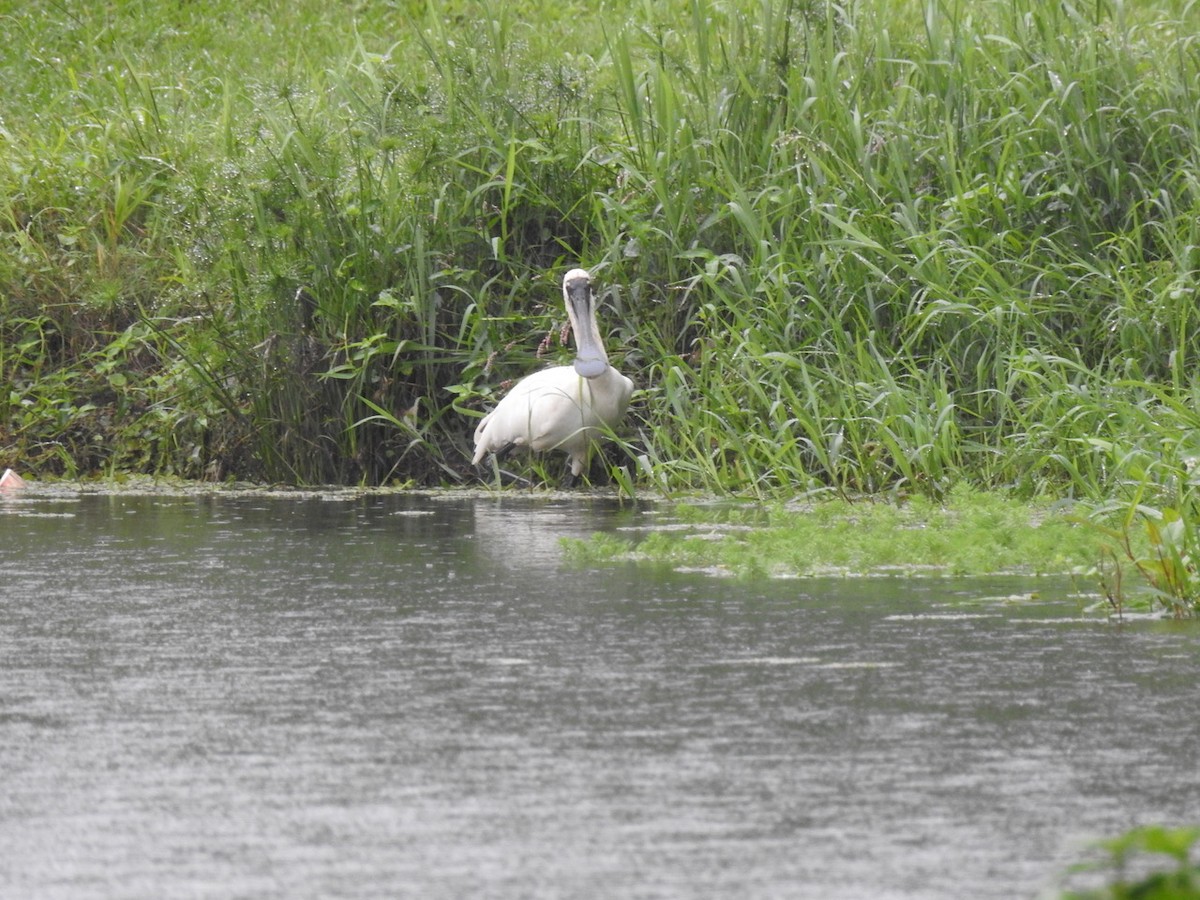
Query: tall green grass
(842, 248)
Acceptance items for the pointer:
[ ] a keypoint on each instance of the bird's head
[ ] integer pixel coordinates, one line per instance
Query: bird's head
(590, 359)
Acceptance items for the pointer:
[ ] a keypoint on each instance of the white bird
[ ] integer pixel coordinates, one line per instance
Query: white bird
(564, 407)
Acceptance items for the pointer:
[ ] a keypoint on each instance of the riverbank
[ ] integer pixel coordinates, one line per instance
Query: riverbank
(841, 248)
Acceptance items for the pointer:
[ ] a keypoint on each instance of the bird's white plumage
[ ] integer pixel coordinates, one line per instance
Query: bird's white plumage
(565, 407)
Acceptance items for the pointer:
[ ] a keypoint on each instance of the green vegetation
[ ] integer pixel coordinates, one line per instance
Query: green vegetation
(969, 533)
(843, 248)
(862, 249)
(1134, 848)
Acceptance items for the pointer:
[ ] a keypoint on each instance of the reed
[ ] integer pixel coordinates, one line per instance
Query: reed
(842, 248)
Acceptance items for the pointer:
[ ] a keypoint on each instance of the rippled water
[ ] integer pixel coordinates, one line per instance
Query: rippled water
(393, 696)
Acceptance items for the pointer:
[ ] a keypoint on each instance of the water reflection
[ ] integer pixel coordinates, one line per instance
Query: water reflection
(412, 696)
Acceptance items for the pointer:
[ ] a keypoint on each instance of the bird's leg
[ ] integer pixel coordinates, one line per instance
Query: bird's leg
(577, 470)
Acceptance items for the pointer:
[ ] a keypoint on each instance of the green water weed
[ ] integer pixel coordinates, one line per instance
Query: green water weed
(970, 534)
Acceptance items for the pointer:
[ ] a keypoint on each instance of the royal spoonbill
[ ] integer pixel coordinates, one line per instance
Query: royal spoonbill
(564, 407)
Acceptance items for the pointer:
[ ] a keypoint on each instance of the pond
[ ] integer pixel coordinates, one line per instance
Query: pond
(255, 695)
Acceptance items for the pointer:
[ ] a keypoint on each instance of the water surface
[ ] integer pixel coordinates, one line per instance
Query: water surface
(401, 696)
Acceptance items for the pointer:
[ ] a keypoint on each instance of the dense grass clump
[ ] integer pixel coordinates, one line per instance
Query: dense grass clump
(843, 247)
